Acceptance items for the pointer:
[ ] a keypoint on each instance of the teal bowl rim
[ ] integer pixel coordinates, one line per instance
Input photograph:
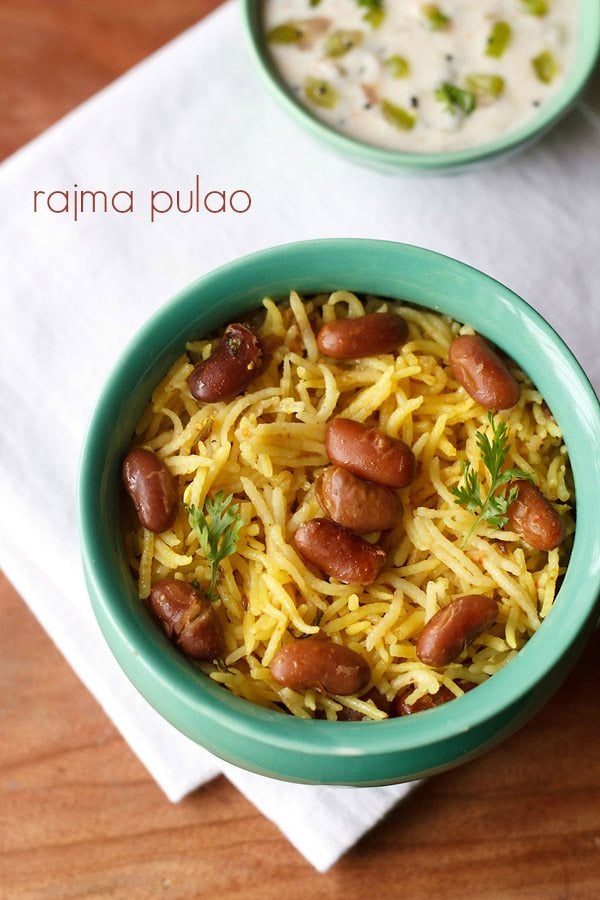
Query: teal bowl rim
(419, 276)
(584, 59)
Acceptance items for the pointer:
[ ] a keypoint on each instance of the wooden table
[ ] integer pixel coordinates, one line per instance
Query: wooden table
(80, 816)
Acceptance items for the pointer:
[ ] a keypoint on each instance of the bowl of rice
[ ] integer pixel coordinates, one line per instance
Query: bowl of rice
(251, 470)
(420, 87)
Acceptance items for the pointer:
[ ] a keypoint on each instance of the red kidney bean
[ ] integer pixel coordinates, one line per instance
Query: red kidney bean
(345, 714)
(452, 629)
(152, 489)
(230, 368)
(188, 618)
(378, 700)
(362, 336)
(369, 453)
(316, 662)
(427, 701)
(483, 374)
(355, 503)
(534, 518)
(339, 552)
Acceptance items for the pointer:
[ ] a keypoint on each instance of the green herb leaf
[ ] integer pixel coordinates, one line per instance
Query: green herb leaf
(434, 17)
(375, 12)
(217, 528)
(493, 507)
(456, 98)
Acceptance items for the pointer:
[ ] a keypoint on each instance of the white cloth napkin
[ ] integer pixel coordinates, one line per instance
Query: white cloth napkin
(74, 292)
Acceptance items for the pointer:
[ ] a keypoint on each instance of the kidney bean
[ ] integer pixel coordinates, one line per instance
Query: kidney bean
(230, 368)
(188, 618)
(362, 336)
(339, 552)
(378, 700)
(534, 518)
(345, 714)
(427, 701)
(316, 662)
(453, 628)
(369, 453)
(152, 489)
(483, 374)
(359, 505)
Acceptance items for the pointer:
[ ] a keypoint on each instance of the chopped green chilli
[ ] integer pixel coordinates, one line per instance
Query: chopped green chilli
(545, 66)
(484, 86)
(397, 116)
(498, 40)
(341, 42)
(398, 66)
(536, 7)
(286, 33)
(321, 93)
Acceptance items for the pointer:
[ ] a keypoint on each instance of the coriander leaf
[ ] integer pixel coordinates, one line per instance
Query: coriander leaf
(374, 14)
(436, 20)
(217, 528)
(493, 507)
(456, 98)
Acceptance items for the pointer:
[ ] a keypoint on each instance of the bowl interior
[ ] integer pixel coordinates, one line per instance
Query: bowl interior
(391, 270)
(584, 58)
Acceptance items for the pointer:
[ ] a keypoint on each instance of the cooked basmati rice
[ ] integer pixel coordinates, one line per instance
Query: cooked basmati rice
(267, 447)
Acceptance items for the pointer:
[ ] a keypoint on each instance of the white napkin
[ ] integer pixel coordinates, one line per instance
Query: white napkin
(74, 292)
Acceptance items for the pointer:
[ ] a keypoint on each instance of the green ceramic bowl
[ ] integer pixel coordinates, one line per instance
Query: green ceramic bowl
(584, 58)
(271, 743)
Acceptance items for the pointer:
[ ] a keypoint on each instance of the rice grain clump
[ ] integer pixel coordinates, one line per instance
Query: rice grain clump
(267, 448)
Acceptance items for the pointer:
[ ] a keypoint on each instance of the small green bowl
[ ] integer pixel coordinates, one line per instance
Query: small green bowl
(584, 58)
(271, 743)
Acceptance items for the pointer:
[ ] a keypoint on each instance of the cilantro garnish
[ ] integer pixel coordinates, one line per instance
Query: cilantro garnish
(217, 528)
(493, 507)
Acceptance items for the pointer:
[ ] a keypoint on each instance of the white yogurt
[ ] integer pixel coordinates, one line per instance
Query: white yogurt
(435, 106)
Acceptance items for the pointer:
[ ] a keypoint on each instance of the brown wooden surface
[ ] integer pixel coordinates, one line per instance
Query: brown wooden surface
(56, 53)
(80, 817)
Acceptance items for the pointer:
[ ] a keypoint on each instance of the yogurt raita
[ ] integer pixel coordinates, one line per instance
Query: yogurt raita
(422, 77)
